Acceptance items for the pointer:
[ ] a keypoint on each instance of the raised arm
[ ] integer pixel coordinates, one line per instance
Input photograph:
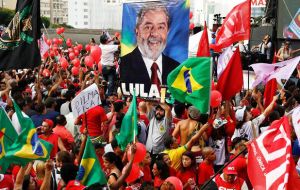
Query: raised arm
(191, 142)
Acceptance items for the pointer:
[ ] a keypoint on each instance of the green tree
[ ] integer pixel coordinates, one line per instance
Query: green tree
(5, 16)
(45, 21)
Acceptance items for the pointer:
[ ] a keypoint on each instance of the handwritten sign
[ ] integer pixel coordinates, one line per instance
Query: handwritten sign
(85, 100)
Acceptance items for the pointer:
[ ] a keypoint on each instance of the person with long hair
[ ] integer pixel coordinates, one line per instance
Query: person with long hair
(160, 172)
(113, 167)
(187, 172)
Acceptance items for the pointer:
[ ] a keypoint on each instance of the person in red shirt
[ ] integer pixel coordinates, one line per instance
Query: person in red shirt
(160, 172)
(229, 180)
(6, 182)
(187, 172)
(95, 118)
(145, 168)
(206, 168)
(63, 133)
(52, 138)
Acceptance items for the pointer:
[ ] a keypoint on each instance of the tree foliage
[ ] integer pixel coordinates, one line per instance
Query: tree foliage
(45, 21)
(6, 16)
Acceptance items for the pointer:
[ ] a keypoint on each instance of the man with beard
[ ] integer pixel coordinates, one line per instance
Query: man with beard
(146, 64)
(160, 122)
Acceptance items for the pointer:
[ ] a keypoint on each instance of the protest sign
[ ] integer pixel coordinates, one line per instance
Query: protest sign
(85, 100)
(154, 42)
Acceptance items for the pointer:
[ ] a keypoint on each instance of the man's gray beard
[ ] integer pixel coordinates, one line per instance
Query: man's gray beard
(147, 52)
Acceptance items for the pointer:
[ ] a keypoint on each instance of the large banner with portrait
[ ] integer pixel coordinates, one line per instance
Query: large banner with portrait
(154, 42)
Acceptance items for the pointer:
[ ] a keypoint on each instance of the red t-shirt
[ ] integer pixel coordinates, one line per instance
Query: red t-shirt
(64, 135)
(205, 172)
(95, 117)
(237, 184)
(53, 139)
(186, 175)
(6, 182)
(147, 173)
(157, 182)
(172, 171)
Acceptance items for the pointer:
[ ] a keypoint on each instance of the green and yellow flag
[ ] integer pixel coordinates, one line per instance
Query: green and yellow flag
(128, 129)
(27, 146)
(90, 171)
(190, 82)
(7, 136)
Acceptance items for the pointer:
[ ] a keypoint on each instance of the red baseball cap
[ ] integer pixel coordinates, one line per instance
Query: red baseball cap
(230, 169)
(49, 122)
(74, 185)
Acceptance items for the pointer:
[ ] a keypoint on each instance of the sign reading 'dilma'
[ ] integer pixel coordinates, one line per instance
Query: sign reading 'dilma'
(85, 100)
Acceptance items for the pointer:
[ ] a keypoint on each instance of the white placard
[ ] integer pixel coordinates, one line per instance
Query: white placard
(85, 100)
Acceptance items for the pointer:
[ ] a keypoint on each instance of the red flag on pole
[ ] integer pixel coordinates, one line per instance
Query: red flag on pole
(235, 27)
(231, 78)
(270, 89)
(270, 163)
(203, 47)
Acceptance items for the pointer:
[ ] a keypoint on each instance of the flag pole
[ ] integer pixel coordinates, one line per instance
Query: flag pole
(46, 30)
(220, 170)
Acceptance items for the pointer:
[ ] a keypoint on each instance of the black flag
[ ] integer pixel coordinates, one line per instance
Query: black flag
(19, 41)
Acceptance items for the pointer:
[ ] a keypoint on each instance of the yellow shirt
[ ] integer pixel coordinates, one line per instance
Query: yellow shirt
(175, 156)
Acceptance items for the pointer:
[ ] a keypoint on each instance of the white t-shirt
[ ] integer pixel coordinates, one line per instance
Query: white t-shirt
(220, 147)
(64, 108)
(107, 57)
(247, 131)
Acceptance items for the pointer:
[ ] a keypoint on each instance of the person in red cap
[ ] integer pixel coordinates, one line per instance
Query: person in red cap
(229, 180)
(49, 136)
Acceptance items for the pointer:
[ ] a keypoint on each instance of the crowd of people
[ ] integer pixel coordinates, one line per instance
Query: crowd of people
(180, 141)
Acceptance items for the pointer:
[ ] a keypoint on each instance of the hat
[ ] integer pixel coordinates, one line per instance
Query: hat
(194, 113)
(219, 123)
(230, 169)
(239, 114)
(74, 185)
(176, 182)
(49, 122)
(255, 112)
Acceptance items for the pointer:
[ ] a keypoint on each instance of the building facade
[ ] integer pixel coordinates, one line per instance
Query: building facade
(56, 10)
(9, 4)
(95, 14)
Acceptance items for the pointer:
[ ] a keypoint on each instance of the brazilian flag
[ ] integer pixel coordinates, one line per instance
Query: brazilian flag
(90, 171)
(27, 146)
(128, 129)
(190, 82)
(7, 136)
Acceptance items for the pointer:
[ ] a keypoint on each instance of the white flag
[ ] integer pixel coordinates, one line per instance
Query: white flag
(223, 60)
(44, 47)
(296, 121)
(282, 70)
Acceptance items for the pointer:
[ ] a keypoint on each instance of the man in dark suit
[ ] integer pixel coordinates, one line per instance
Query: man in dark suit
(146, 64)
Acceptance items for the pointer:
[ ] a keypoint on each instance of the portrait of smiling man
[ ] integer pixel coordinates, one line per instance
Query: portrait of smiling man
(147, 64)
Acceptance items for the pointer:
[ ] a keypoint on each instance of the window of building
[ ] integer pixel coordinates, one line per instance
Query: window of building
(85, 23)
(85, 3)
(85, 10)
(76, 23)
(85, 16)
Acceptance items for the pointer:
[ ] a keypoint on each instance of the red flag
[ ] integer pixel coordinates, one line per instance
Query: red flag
(203, 47)
(235, 27)
(231, 79)
(270, 158)
(270, 89)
